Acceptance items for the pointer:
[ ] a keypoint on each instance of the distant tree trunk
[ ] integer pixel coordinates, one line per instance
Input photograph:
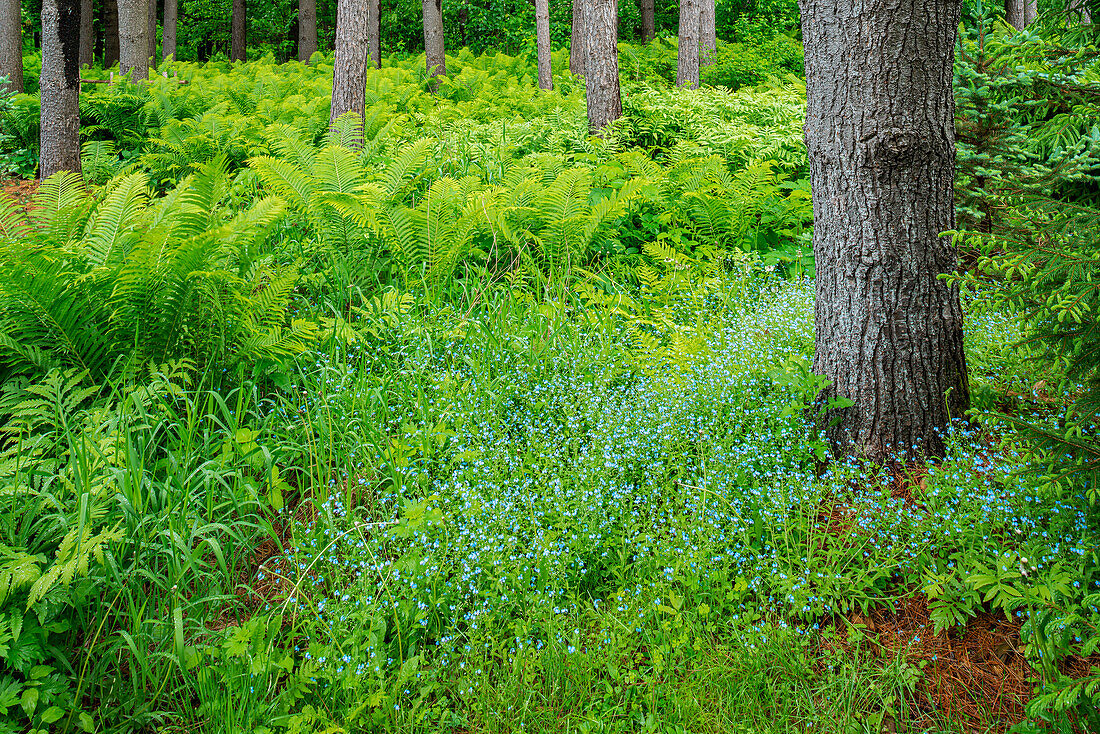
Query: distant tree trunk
(648, 21)
(374, 33)
(577, 54)
(687, 57)
(880, 137)
(11, 44)
(111, 42)
(349, 78)
(168, 33)
(60, 85)
(434, 55)
(239, 44)
(1079, 12)
(87, 32)
(1020, 13)
(152, 32)
(542, 40)
(133, 38)
(708, 34)
(601, 34)
(307, 29)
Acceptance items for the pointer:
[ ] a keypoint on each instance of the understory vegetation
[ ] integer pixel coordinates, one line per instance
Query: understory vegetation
(487, 425)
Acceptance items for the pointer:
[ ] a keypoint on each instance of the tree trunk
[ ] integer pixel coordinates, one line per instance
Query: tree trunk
(601, 36)
(238, 50)
(542, 40)
(152, 38)
(1020, 13)
(1079, 12)
(687, 56)
(881, 141)
(168, 33)
(708, 33)
(577, 54)
(434, 56)
(374, 33)
(87, 32)
(60, 85)
(133, 38)
(11, 44)
(349, 78)
(649, 23)
(111, 42)
(307, 29)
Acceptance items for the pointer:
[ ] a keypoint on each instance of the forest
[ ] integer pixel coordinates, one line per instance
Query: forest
(493, 366)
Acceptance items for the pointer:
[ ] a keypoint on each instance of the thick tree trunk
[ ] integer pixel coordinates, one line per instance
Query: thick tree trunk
(601, 36)
(1020, 13)
(152, 31)
(133, 38)
(687, 56)
(349, 78)
(708, 34)
(374, 33)
(1079, 12)
(577, 53)
(238, 50)
(168, 33)
(881, 141)
(649, 23)
(542, 40)
(307, 29)
(60, 85)
(434, 55)
(11, 44)
(111, 43)
(87, 32)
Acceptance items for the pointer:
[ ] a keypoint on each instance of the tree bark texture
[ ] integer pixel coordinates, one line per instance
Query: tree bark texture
(307, 29)
(577, 54)
(601, 34)
(374, 33)
(238, 50)
(349, 78)
(542, 40)
(87, 32)
(881, 141)
(708, 34)
(60, 85)
(649, 23)
(152, 32)
(111, 42)
(11, 44)
(1020, 13)
(168, 32)
(434, 55)
(687, 55)
(1079, 12)
(133, 38)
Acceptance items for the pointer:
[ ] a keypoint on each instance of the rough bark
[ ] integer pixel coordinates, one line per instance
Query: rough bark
(434, 55)
(238, 50)
(111, 43)
(577, 53)
(708, 35)
(152, 32)
(11, 44)
(87, 32)
(1020, 13)
(349, 78)
(601, 34)
(133, 38)
(374, 33)
(307, 29)
(168, 31)
(60, 85)
(649, 23)
(542, 40)
(881, 141)
(687, 55)
(1079, 12)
